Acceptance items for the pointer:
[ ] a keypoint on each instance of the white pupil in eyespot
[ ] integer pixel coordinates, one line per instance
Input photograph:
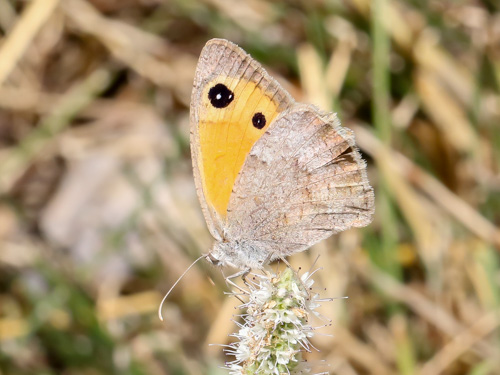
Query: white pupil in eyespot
(218, 96)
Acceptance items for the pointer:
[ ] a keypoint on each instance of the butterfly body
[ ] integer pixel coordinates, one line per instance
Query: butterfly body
(273, 176)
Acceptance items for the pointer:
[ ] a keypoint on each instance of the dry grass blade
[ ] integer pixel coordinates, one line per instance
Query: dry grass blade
(442, 196)
(99, 214)
(311, 68)
(447, 114)
(23, 34)
(135, 48)
(361, 353)
(461, 343)
(15, 161)
(432, 312)
(431, 231)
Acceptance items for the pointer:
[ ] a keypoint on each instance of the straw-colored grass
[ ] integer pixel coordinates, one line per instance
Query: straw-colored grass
(99, 215)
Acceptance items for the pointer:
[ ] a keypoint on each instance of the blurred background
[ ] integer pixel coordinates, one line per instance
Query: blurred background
(99, 215)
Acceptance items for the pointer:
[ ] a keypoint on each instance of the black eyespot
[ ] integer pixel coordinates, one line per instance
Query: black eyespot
(259, 120)
(220, 96)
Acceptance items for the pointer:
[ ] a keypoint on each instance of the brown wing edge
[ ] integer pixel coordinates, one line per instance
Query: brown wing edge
(349, 136)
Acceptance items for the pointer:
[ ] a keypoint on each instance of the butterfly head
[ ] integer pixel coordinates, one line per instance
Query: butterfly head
(220, 254)
(212, 258)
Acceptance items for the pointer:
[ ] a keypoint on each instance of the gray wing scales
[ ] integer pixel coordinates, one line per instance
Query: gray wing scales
(303, 181)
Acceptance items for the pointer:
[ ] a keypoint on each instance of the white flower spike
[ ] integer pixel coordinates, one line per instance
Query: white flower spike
(276, 327)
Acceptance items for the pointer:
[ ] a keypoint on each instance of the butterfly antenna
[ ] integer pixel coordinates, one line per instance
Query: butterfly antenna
(173, 286)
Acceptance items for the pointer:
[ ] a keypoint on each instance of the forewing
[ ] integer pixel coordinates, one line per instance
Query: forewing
(222, 132)
(303, 181)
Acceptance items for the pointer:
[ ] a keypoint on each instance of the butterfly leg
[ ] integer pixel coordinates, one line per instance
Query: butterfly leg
(243, 273)
(266, 260)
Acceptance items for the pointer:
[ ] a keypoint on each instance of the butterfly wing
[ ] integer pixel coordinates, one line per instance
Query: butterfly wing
(303, 181)
(234, 101)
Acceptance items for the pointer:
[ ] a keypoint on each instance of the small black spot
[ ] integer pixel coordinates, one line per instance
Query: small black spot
(220, 96)
(347, 155)
(259, 120)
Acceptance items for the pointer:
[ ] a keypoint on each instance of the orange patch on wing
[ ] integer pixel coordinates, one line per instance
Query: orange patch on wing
(227, 134)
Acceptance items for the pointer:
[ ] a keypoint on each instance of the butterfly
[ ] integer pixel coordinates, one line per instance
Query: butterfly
(273, 176)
